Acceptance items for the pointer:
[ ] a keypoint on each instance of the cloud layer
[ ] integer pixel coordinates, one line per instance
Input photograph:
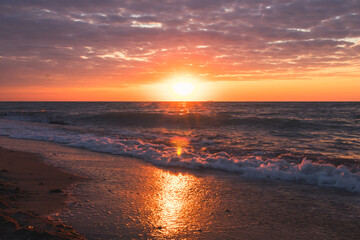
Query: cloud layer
(111, 43)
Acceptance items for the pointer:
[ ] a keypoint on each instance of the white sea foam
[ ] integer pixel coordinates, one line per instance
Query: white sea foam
(159, 154)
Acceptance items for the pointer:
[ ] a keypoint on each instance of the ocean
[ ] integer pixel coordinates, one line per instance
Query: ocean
(299, 142)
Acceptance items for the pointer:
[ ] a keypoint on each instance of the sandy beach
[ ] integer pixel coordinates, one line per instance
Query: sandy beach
(31, 190)
(127, 198)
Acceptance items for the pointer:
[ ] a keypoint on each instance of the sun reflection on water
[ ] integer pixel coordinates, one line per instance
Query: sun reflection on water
(179, 151)
(180, 143)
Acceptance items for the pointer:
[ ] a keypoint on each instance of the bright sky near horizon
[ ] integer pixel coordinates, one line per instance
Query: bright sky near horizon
(230, 50)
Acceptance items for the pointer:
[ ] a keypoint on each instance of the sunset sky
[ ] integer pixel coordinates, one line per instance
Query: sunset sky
(245, 50)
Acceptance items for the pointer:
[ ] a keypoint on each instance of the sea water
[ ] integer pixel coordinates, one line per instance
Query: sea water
(311, 143)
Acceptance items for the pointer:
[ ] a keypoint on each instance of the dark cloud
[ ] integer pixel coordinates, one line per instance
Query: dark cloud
(109, 38)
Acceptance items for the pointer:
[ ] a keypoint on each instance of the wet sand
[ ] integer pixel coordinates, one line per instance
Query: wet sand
(128, 198)
(31, 190)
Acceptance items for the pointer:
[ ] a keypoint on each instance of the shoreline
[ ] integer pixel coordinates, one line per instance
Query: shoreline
(30, 191)
(129, 198)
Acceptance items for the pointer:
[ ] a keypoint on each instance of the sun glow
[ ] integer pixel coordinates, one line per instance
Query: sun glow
(183, 88)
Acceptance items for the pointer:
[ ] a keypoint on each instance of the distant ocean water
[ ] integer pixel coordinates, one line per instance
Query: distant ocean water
(312, 143)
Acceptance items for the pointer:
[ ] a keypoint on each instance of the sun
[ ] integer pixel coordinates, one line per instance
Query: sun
(183, 88)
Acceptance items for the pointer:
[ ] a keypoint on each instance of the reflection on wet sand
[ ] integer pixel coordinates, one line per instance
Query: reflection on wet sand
(174, 205)
(171, 202)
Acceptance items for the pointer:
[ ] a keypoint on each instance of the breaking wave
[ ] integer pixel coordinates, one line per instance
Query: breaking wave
(166, 155)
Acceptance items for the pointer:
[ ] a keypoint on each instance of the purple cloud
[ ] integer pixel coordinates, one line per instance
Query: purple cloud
(46, 42)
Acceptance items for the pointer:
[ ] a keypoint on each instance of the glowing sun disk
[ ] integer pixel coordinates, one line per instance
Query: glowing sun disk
(183, 88)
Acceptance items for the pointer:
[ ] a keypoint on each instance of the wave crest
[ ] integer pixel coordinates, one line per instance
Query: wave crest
(166, 155)
(171, 120)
